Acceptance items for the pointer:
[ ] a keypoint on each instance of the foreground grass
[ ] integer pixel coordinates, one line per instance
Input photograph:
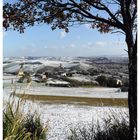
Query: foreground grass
(20, 126)
(112, 129)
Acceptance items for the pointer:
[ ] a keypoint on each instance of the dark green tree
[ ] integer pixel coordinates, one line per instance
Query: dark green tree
(102, 80)
(105, 15)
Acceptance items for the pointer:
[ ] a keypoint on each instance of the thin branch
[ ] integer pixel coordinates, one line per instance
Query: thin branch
(104, 8)
(126, 50)
(114, 32)
(114, 24)
(134, 14)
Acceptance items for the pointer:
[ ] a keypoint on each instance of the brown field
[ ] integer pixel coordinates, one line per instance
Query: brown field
(76, 100)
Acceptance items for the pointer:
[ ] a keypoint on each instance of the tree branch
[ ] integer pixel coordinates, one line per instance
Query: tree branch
(111, 23)
(104, 8)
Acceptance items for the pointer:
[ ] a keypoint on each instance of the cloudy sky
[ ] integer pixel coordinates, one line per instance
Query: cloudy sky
(80, 41)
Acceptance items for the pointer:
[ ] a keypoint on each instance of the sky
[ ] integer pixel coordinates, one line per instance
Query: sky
(80, 41)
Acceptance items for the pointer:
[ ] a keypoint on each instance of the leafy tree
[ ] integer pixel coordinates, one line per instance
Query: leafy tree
(105, 15)
(112, 82)
(102, 80)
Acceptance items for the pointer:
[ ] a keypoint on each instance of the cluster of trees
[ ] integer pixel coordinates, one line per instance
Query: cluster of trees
(105, 15)
(76, 83)
(108, 82)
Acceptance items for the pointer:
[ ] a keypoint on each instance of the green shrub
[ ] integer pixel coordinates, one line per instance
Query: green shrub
(124, 89)
(76, 83)
(34, 126)
(111, 130)
(102, 80)
(111, 82)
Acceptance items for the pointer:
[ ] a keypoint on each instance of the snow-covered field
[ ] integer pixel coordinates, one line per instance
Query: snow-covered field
(76, 92)
(32, 66)
(62, 117)
(38, 89)
(72, 92)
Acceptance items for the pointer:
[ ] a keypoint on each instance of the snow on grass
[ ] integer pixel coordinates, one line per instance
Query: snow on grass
(63, 117)
(15, 65)
(39, 89)
(81, 78)
(78, 92)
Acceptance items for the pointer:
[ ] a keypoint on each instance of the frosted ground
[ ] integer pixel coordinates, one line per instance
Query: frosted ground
(62, 117)
(76, 92)
(40, 89)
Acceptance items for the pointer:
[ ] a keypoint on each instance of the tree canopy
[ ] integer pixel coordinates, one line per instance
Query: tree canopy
(106, 15)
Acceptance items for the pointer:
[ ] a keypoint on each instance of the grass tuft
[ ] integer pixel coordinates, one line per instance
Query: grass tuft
(112, 129)
(20, 126)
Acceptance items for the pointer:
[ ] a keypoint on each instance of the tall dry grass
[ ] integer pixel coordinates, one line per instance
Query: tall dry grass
(20, 126)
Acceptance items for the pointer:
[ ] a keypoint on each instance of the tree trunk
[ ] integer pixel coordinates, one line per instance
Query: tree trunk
(132, 92)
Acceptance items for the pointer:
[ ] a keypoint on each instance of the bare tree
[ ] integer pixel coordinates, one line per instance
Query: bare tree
(105, 15)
